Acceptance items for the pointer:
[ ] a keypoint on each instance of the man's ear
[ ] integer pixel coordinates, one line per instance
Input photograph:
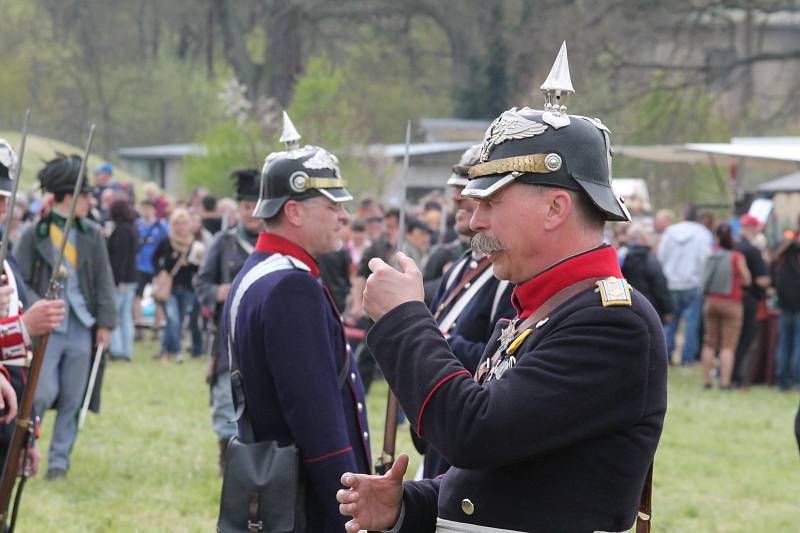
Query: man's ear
(292, 212)
(559, 207)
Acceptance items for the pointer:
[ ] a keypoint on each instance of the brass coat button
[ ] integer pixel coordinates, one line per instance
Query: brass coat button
(467, 506)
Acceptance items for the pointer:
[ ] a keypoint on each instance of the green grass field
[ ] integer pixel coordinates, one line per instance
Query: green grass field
(727, 462)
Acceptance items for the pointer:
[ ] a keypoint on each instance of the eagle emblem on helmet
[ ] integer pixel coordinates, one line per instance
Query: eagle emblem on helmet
(510, 125)
(8, 158)
(323, 159)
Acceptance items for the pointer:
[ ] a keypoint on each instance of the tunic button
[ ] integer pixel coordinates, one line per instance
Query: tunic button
(366, 435)
(467, 285)
(467, 506)
(352, 376)
(360, 407)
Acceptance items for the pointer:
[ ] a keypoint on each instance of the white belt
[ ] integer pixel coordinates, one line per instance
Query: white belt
(448, 526)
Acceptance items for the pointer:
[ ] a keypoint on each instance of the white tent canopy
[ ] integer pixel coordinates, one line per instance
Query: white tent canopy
(769, 153)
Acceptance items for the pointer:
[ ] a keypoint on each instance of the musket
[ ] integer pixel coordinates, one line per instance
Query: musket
(386, 459)
(24, 425)
(14, 188)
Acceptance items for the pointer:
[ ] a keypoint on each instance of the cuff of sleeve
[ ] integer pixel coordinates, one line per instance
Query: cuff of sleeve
(26, 338)
(399, 523)
(399, 314)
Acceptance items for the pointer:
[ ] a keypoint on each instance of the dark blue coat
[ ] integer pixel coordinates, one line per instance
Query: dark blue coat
(561, 442)
(469, 335)
(289, 346)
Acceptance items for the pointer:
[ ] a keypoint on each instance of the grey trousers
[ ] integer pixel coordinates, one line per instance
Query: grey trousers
(222, 410)
(62, 385)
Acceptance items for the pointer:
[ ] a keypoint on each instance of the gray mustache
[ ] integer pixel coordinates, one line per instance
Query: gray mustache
(485, 244)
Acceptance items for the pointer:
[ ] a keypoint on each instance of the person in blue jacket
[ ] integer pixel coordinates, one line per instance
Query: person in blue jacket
(286, 336)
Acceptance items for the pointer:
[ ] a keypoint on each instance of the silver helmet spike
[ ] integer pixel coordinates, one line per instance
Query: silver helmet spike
(557, 84)
(290, 138)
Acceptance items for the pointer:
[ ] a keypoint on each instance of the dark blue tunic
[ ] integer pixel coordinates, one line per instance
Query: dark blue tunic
(469, 334)
(289, 345)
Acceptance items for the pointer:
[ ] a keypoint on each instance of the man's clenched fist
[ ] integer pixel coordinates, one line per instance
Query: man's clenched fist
(387, 288)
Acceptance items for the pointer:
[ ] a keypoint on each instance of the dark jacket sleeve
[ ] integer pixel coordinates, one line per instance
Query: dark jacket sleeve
(104, 289)
(662, 300)
(421, 502)
(305, 373)
(25, 255)
(206, 282)
(456, 415)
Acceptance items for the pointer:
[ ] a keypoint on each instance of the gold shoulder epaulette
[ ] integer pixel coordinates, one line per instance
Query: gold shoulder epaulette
(614, 291)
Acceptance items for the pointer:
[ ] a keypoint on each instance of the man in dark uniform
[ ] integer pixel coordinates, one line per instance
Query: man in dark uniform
(469, 300)
(286, 335)
(558, 428)
(226, 255)
(89, 293)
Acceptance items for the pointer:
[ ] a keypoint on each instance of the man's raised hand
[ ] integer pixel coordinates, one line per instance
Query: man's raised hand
(387, 288)
(373, 501)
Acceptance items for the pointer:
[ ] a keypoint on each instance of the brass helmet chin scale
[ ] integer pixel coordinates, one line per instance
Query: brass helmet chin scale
(548, 147)
(298, 174)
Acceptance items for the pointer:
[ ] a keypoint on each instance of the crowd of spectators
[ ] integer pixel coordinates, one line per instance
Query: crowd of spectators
(725, 299)
(737, 300)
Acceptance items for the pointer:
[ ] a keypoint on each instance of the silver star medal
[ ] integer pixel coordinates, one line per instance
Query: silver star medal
(507, 335)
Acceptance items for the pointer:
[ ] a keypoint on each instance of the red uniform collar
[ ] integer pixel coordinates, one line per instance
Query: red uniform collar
(597, 262)
(273, 244)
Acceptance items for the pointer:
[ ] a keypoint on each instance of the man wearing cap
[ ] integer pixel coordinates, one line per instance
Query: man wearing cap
(751, 296)
(292, 376)
(89, 293)
(226, 255)
(558, 428)
(19, 322)
(469, 299)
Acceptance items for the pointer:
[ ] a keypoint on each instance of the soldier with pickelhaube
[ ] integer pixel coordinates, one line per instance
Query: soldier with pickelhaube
(89, 293)
(226, 255)
(293, 379)
(557, 429)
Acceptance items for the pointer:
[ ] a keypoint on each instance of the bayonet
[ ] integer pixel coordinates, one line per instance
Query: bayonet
(386, 459)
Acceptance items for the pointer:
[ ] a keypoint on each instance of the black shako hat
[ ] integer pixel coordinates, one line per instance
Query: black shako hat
(246, 181)
(298, 174)
(8, 159)
(61, 174)
(548, 147)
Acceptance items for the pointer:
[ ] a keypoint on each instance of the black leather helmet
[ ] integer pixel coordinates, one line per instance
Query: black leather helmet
(298, 174)
(548, 147)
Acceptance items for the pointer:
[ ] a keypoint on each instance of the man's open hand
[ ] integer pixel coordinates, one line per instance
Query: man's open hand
(373, 501)
(387, 288)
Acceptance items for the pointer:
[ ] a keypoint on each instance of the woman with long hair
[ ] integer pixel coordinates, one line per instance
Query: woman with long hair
(182, 254)
(724, 276)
